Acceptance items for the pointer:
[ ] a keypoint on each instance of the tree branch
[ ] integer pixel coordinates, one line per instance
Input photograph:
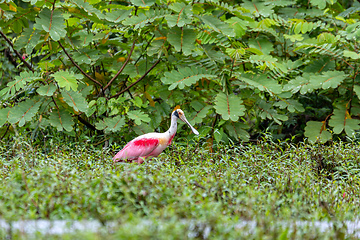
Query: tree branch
(86, 123)
(16, 52)
(122, 67)
(78, 67)
(134, 83)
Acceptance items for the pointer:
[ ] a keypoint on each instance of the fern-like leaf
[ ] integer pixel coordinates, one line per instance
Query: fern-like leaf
(323, 49)
(145, 18)
(217, 25)
(262, 82)
(206, 37)
(266, 111)
(185, 77)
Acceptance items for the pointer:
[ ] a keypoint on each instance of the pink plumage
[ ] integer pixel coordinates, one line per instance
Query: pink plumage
(137, 148)
(151, 144)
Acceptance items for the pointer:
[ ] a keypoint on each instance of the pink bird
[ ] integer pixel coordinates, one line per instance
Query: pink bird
(151, 144)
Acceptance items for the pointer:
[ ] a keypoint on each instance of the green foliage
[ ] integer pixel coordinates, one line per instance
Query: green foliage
(316, 133)
(24, 111)
(185, 77)
(229, 106)
(75, 100)
(61, 120)
(270, 184)
(51, 22)
(111, 124)
(112, 67)
(341, 120)
(67, 80)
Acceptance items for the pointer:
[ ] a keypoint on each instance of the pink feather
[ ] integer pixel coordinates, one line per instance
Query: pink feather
(137, 148)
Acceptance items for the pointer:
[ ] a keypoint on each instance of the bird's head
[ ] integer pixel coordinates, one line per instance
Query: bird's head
(179, 114)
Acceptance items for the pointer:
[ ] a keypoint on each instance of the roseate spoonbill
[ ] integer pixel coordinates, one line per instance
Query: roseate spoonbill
(151, 144)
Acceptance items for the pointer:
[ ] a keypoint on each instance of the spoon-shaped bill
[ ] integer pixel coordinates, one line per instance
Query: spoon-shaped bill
(183, 118)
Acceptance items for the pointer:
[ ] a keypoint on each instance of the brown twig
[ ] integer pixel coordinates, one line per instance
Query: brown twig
(213, 124)
(7, 129)
(86, 123)
(78, 67)
(122, 67)
(198, 185)
(134, 83)
(16, 52)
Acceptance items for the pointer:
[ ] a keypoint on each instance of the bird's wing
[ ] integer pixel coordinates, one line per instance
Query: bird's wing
(137, 148)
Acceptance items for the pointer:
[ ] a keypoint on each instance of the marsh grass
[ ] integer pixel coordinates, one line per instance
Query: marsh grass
(267, 183)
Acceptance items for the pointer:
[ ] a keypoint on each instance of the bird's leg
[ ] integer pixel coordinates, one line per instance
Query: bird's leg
(140, 160)
(119, 160)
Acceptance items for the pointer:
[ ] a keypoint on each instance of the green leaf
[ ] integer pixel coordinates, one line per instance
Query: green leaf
(262, 82)
(87, 56)
(258, 8)
(217, 25)
(117, 15)
(267, 61)
(316, 132)
(75, 100)
(239, 26)
(47, 90)
(341, 120)
(266, 111)
(61, 120)
(85, 38)
(218, 135)
(320, 3)
(111, 124)
(33, 2)
(138, 116)
(183, 16)
(185, 77)
(294, 37)
(332, 79)
(291, 104)
(237, 54)
(4, 113)
(264, 46)
(24, 111)
(52, 22)
(142, 129)
(143, 3)
(86, 7)
(237, 131)
(320, 65)
(28, 39)
(229, 106)
(309, 82)
(91, 108)
(351, 54)
(145, 18)
(281, 3)
(183, 39)
(67, 80)
(20, 82)
(85, 89)
(200, 114)
(357, 90)
(157, 46)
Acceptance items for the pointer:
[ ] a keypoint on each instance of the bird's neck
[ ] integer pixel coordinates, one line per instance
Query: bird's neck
(173, 126)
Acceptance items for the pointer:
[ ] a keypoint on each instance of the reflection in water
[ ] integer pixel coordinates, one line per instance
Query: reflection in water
(58, 227)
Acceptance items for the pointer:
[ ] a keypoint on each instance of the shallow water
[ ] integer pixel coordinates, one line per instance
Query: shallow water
(58, 227)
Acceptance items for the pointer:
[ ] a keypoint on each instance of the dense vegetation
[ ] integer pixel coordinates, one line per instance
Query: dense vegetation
(237, 68)
(268, 183)
(80, 75)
